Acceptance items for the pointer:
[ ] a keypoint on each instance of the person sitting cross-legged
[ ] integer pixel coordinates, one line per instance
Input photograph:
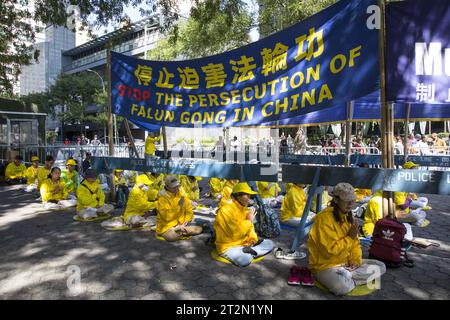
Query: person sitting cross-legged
(54, 192)
(71, 178)
(91, 198)
(335, 255)
(293, 206)
(236, 239)
(32, 175)
(138, 204)
(16, 172)
(175, 212)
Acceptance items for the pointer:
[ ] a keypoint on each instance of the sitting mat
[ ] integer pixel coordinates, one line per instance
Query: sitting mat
(361, 290)
(162, 239)
(99, 218)
(216, 256)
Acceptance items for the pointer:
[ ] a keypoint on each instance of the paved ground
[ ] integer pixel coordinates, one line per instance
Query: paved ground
(39, 250)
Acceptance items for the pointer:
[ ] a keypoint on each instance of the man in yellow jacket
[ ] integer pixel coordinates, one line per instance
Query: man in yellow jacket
(150, 145)
(236, 239)
(16, 172)
(91, 198)
(335, 256)
(44, 171)
(32, 175)
(157, 180)
(268, 189)
(363, 195)
(191, 188)
(138, 204)
(215, 187)
(227, 190)
(174, 212)
(54, 192)
(293, 206)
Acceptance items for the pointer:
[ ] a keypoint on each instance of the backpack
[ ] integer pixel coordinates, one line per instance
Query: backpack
(387, 240)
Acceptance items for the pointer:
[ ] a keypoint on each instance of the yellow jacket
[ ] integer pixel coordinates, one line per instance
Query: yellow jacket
(232, 227)
(328, 243)
(13, 171)
(48, 187)
(42, 175)
(90, 195)
(156, 186)
(216, 186)
(120, 181)
(226, 191)
(326, 198)
(400, 198)
(31, 174)
(264, 193)
(169, 212)
(362, 193)
(138, 203)
(150, 145)
(293, 203)
(374, 212)
(188, 187)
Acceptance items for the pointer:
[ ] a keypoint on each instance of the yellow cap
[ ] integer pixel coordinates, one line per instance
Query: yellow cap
(143, 179)
(71, 162)
(118, 170)
(410, 165)
(34, 158)
(198, 178)
(243, 187)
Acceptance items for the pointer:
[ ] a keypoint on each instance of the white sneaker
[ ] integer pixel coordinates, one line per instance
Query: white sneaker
(296, 255)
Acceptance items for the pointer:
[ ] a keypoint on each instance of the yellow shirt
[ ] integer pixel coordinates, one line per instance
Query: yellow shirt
(328, 243)
(373, 213)
(138, 203)
(188, 187)
(42, 175)
(14, 172)
(216, 186)
(156, 186)
(48, 187)
(90, 195)
(169, 212)
(150, 145)
(232, 227)
(271, 193)
(362, 193)
(32, 175)
(120, 181)
(400, 198)
(293, 203)
(226, 191)
(326, 199)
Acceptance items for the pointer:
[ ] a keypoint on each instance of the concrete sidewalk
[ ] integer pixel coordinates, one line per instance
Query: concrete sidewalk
(41, 253)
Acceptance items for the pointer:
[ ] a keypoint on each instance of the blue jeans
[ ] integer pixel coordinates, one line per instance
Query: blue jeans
(241, 259)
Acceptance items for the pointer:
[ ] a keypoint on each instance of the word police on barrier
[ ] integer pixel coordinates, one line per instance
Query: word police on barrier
(191, 167)
(327, 59)
(420, 181)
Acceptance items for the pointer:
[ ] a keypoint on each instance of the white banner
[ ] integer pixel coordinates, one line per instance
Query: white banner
(423, 126)
(336, 129)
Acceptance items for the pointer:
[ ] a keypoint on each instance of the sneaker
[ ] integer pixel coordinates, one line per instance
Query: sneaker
(307, 278)
(427, 208)
(278, 253)
(294, 255)
(294, 277)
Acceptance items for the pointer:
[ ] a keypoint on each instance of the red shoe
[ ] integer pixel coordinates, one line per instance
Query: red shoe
(307, 278)
(294, 278)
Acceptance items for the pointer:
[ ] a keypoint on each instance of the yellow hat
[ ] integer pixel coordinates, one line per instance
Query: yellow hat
(243, 187)
(410, 165)
(198, 178)
(71, 162)
(34, 158)
(118, 170)
(143, 179)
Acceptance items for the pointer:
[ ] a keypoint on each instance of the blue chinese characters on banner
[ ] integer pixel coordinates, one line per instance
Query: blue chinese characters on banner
(325, 60)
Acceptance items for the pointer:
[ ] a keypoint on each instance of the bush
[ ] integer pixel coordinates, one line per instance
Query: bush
(443, 135)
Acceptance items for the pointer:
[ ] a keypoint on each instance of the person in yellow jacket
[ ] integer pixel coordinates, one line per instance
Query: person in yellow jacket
(374, 212)
(71, 178)
(227, 190)
(150, 145)
(335, 256)
(54, 192)
(138, 204)
(191, 188)
(363, 195)
(268, 189)
(16, 172)
(326, 199)
(417, 202)
(174, 212)
(91, 198)
(293, 206)
(122, 191)
(32, 174)
(44, 171)
(236, 239)
(215, 187)
(157, 180)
